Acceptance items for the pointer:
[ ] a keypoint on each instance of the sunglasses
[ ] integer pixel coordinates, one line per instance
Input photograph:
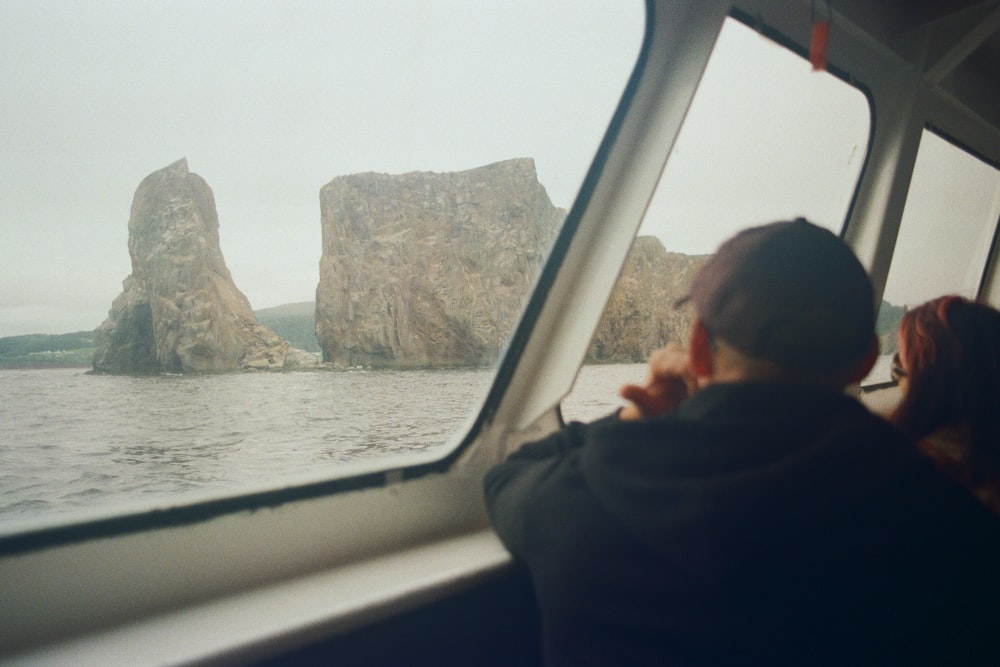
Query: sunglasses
(897, 371)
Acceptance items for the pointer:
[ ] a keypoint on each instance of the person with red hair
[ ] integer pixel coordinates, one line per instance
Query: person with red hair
(948, 368)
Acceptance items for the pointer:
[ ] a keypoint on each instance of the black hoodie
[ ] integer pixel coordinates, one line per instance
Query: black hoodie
(757, 524)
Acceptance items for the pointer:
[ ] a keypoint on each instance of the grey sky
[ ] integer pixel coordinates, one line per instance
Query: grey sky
(766, 138)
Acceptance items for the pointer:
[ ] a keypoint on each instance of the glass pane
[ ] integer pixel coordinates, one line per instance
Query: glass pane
(419, 152)
(766, 139)
(944, 238)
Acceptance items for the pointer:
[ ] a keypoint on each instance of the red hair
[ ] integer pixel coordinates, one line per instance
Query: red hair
(950, 349)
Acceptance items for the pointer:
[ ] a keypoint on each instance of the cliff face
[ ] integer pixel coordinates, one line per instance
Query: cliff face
(427, 269)
(640, 315)
(180, 311)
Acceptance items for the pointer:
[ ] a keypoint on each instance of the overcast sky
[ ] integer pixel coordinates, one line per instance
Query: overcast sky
(268, 101)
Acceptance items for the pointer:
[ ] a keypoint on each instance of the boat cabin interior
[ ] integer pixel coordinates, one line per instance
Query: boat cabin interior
(394, 562)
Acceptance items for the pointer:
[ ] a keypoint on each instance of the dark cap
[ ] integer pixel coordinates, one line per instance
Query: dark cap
(788, 292)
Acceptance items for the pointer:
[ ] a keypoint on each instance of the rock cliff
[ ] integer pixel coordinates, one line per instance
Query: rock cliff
(429, 269)
(640, 315)
(180, 311)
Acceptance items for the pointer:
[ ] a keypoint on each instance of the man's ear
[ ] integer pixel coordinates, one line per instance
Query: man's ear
(700, 355)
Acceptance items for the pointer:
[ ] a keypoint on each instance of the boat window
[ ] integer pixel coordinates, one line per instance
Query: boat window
(766, 138)
(948, 224)
(387, 177)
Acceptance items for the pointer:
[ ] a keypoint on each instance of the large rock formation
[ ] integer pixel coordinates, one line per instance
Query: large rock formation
(641, 314)
(427, 269)
(180, 311)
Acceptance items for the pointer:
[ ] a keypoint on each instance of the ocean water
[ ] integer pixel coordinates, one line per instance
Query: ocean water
(71, 442)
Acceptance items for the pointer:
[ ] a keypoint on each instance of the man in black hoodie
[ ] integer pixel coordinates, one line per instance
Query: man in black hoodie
(743, 509)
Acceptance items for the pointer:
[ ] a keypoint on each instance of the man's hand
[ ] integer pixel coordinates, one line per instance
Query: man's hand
(670, 381)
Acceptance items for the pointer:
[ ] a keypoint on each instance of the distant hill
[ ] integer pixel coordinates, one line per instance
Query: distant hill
(292, 321)
(47, 350)
(295, 322)
(301, 309)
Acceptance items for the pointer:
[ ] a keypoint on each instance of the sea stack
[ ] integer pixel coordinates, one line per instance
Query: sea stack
(180, 311)
(429, 269)
(641, 314)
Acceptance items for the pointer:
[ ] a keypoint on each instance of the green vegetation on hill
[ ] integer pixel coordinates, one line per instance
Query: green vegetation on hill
(47, 350)
(295, 322)
(300, 309)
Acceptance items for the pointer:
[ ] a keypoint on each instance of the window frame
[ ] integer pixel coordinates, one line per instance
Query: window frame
(988, 288)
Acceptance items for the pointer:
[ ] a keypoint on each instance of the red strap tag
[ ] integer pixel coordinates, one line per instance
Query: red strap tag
(818, 47)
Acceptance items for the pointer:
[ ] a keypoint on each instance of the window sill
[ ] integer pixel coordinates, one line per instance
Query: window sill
(259, 623)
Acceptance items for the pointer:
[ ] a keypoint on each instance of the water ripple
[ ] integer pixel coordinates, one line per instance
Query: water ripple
(72, 441)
